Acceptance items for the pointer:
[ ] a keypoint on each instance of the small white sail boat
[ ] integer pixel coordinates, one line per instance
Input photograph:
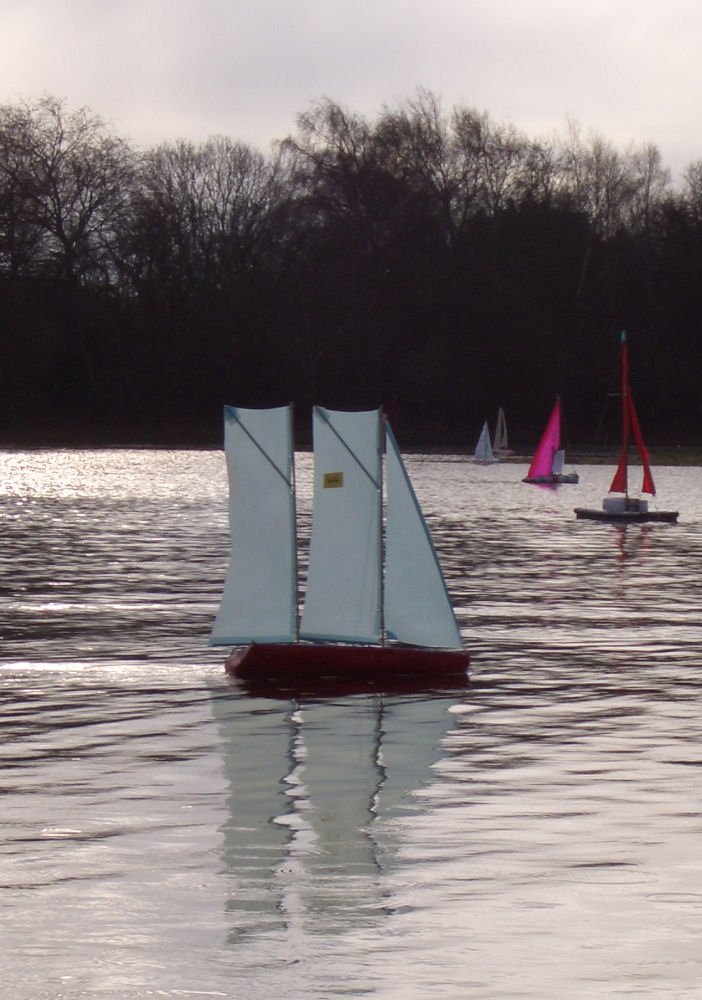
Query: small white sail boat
(483, 449)
(373, 608)
(623, 508)
(546, 468)
(501, 444)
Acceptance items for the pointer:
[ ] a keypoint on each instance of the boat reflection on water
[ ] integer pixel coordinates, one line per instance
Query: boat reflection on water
(315, 782)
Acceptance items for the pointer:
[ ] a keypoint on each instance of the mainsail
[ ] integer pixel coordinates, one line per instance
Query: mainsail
(417, 606)
(259, 600)
(542, 463)
(630, 422)
(343, 594)
(483, 449)
(500, 442)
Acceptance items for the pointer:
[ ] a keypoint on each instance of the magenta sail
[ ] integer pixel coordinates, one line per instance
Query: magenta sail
(547, 464)
(542, 463)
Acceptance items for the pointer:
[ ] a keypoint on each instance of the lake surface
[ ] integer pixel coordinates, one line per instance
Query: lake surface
(167, 833)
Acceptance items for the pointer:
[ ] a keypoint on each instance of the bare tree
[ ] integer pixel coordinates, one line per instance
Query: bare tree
(198, 212)
(339, 174)
(652, 182)
(20, 232)
(416, 144)
(69, 177)
(692, 190)
(600, 181)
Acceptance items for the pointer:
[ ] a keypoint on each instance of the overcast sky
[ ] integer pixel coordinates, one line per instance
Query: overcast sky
(629, 70)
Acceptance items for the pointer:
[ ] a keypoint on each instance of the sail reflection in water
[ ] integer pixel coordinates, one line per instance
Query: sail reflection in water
(314, 790)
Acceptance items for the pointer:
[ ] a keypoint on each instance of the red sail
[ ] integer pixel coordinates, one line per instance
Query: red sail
(648, 485)
(619, 483)
(630, 422)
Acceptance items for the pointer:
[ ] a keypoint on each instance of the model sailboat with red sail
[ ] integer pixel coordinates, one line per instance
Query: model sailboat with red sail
(546, 468)
(375, 605)
(619, 505)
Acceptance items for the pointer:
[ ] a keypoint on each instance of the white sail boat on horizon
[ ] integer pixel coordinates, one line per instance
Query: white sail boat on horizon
(483, 449)
(501, 443)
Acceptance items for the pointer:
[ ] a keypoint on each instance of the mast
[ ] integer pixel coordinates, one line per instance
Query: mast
(381, 546)
(620, 482)
(500, 443)
(296, 557)
(556, 443)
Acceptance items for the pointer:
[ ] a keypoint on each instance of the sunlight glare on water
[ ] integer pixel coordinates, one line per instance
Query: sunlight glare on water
(170, 833)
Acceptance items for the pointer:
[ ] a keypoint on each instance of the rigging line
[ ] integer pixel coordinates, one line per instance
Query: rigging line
(323, 414)
(234, 415)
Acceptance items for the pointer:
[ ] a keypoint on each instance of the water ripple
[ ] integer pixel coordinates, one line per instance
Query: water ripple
(168, 832)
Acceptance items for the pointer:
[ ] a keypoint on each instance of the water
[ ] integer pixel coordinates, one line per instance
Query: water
(167, 833)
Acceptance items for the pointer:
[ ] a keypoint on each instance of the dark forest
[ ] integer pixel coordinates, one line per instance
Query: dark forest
(436, 259)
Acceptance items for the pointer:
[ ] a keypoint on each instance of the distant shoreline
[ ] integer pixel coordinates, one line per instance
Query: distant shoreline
(682, 455)
(686, 455)
(657, 456)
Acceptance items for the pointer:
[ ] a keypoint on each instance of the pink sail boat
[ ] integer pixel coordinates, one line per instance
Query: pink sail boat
(546, 468)
(624, 508)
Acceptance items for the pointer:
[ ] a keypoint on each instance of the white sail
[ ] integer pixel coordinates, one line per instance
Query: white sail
(417, 606)
(483, 449)
(558, 462)
(342, 599)
(500, 443)
(259, 601)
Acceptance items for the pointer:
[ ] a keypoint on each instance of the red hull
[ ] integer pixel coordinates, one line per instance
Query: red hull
(312, 663)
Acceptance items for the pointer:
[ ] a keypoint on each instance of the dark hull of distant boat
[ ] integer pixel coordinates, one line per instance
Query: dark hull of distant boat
(315, 663)
(627, 516)
(553, 480)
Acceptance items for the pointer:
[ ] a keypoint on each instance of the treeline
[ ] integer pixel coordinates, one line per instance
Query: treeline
(439, 261)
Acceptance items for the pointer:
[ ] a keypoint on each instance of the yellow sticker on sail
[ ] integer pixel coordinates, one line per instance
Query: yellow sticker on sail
(333, 480)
